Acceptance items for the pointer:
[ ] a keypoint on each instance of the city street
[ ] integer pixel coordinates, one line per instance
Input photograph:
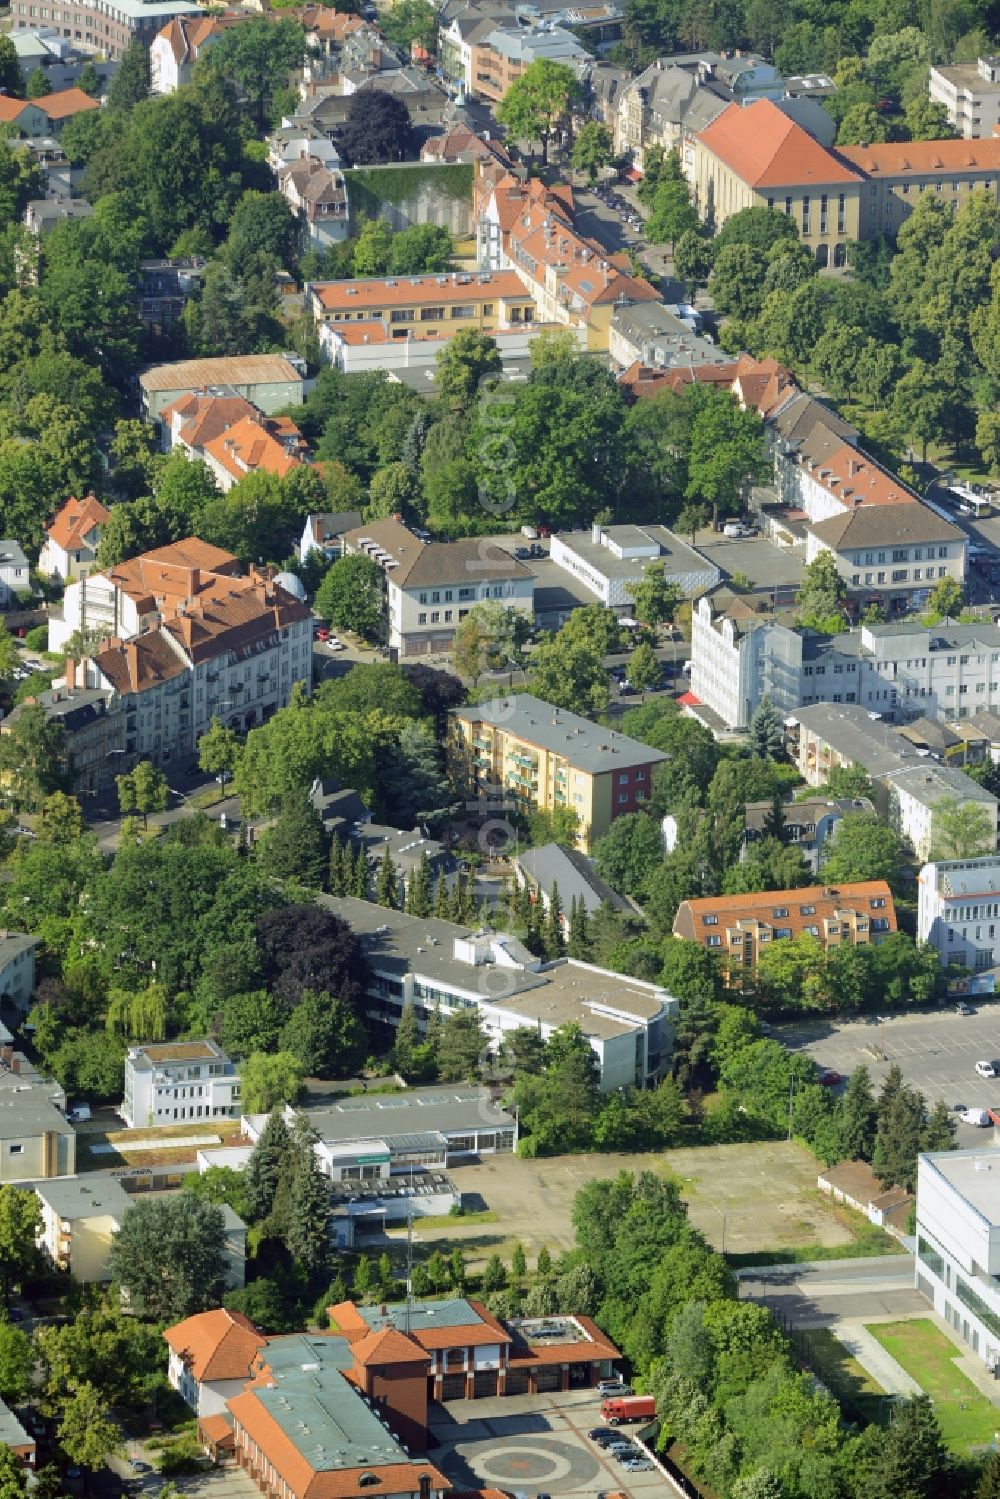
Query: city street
(937, 1052)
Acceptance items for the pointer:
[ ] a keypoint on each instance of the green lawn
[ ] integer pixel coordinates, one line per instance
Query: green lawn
(862, 1397)
(968, 1420)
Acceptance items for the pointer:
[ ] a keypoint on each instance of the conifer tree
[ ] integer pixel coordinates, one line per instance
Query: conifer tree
(419, 893)
(387, 883)
(336, 867)
(552, 933)
(442, 902)
(580, 945)
(306, 1233)
(407, 1039)
(265, 1167)
(361, 875)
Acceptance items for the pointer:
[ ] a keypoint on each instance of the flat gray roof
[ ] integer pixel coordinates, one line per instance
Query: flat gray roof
(84, 1196)
(975, 1174)
(931, 783)
(584, 745)
(852, 732)
(675, 554)
(26, 1112)
(418, 1112)
(423, 1315)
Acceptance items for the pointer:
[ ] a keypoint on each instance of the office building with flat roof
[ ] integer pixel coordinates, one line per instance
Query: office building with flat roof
(958, 1244)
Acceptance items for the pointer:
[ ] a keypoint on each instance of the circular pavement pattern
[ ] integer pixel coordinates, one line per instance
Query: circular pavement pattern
(545, 1461)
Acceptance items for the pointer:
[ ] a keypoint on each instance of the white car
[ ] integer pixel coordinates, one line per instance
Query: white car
(979, 1117)
(985, 1069)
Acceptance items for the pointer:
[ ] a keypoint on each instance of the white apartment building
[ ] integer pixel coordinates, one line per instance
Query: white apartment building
(431, 586)
(958, 1244)
(440, 967)
(916, 792)
(607, 560)
(958, 910)
(17, 967)
(901, 671)
(173, 1081)
(970, 92)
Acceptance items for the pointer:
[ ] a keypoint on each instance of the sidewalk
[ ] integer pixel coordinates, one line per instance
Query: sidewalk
(874, 1359)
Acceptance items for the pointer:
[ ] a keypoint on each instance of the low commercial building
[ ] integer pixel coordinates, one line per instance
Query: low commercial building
(270, 381)
(439, 967)
(534, 755)
(430, 586)
(607, 560)
(398, 308)
(172, 1081)
(736, 927)
(916, 793)
(37, 1141)
(958, 911)
(970, 93)
(80, 1216)
(958, 1244)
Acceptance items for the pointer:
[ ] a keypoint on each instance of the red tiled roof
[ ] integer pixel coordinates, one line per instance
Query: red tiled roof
(76, 520)
(388, 1347)
(216, 1345)
(921, 158)
(767, 149)
(69, 101)
(248, 446)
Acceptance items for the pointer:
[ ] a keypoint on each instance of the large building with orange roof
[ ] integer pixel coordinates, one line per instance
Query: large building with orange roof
(71, 542)
(47, 115)
(899, 173)
(337, 1414)
(757, 157)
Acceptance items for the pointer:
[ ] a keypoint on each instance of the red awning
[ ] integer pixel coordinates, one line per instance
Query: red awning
(633, 175)
(688, 700)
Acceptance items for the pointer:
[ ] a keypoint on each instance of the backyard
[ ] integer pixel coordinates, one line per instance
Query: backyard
(968, 1420)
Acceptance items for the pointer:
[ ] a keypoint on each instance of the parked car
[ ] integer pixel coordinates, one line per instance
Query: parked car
(963, 1009)
(602, 1435)
(979, 1117)
(614, 1385)
(522, 552)
(637, 1465)
(829, 1078)
(986, 1069)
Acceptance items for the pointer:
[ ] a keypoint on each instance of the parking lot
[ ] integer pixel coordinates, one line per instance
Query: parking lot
(527, 1444)
(937, 1053)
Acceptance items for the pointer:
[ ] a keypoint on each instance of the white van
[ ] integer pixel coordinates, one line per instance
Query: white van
(979, 1117)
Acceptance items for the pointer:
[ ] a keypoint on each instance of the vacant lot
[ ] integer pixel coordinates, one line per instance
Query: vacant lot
(754, 1197)
(968, 1420)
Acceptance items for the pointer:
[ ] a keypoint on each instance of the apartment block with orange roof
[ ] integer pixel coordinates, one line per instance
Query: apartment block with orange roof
(70, 546)
(757, 157)
(898, 174)
(400, 308)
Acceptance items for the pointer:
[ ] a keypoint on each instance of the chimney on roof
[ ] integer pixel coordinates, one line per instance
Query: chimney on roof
(70, 672)
(132, 656)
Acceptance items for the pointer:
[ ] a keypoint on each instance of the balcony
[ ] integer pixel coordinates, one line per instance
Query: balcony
(531, 761)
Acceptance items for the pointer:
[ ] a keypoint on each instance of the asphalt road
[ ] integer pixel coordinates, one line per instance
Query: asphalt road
(826, 1291)
(937, 1052)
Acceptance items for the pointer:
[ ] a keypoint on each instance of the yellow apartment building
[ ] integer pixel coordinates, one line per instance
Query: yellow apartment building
(756, 157)
(416, 306)
(522, 753)
(897, 175)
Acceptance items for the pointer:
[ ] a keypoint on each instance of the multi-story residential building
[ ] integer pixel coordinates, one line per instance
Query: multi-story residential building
(290, 143)
(106, 26)
(958, 910)
(178, 45)
(431, 586)
(891, 554)
(253, 446)
(270, 381)
(677, 97)
(916, 793)
(827, 735)
(607, 560)
(970, 92)
(36, 1139)
(166, 285)
(662, 337)
(462, 34)
(172, 1081)
(439, 967)
(420, 307)
(80, 1216)
(757, 157)
(93, 725)
(70, 546)
(15, 576)
(500, 57)
(958, 1245)
(316, 192)
(538, 756)
(17, 968)
(897, 175)
(735, 927)
(45, 116)
(809, 824)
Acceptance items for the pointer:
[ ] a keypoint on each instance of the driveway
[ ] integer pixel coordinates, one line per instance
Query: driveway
(527, 1443)
(826, 1292)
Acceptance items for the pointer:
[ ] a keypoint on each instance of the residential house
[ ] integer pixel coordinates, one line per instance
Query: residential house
(36, 1138)
(462, 144)
(80, 1216)
(194, 420)
(46, 115)
(290, 143)
(458, 39)
(270, 381)
(70, 547)
(42, 215)
(250, 446)
(546, 757)
(14, 1436)
(17, 968)
(325, 532)
(552, 866)
(609, 560)
(640, 381)
(173, 1081)
(898, 174)
(15, 576)
(736, 927)
(93, 724)
(439, 968)
(756, 157)
(316, 192)
(808, 824)
(431, 586)
(970, 93)
(916, 793)
(958, 911)
(166, 286)
(107, 26)
(210, 1358)
(958, 1245)
(178, 45)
